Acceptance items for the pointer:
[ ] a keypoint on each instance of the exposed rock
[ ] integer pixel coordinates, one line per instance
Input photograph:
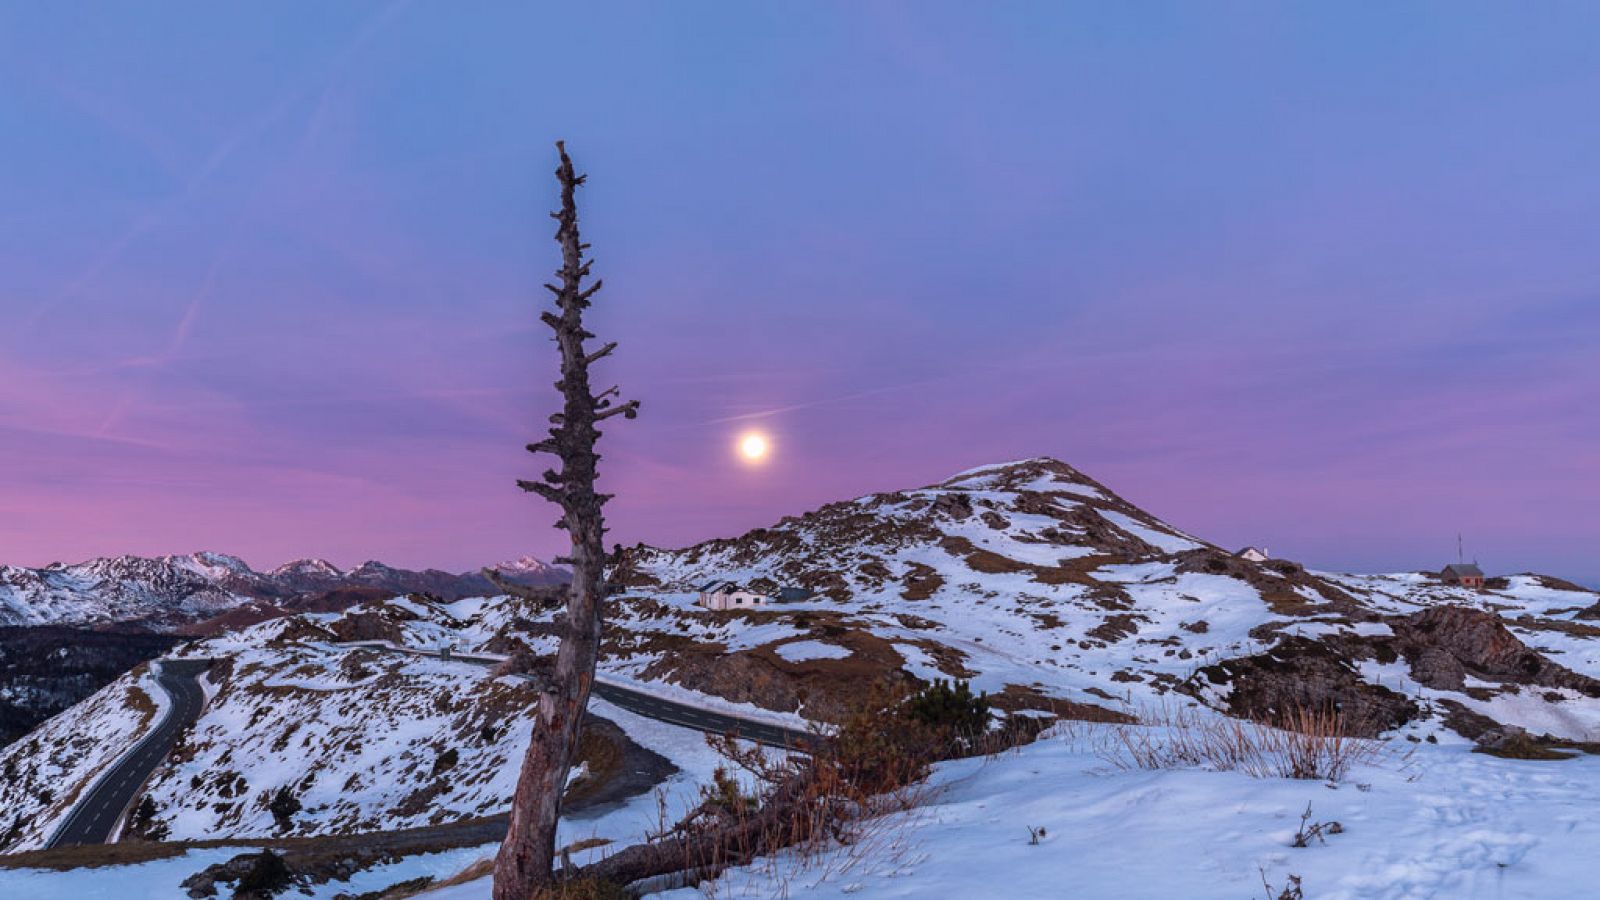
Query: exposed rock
(1301, 674)
(257, 876)
(953, 506)
(1116, 627)
(821, 689)
(1445, 644)
(523, 661)
(1511, 742)
(1465, 722)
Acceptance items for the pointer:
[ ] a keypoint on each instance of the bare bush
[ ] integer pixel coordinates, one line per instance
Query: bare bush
(1315, 745)
(837, 796)
(1314, 831)
(1291, 888)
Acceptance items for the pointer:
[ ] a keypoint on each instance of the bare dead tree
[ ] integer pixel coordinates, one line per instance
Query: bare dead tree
(542, 596)
(528, 851)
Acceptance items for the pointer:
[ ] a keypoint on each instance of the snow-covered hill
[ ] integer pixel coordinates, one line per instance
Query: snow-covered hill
(360, 740)
(42, 775)
(1443, 823)
(1044, 587)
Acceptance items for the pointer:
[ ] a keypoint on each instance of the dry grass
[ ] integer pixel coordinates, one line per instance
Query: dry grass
(482, 868)
(1314, 744)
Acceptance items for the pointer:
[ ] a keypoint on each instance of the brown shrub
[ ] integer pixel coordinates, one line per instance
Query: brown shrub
(1313, 744)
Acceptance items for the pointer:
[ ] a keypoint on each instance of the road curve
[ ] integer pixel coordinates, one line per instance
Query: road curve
(648, 705)
(95, 815)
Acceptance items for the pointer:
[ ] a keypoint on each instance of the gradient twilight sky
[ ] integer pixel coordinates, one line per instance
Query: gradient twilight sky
(1322, 277)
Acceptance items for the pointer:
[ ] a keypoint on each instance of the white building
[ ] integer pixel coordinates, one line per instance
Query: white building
(1254, 554)
(728, 595)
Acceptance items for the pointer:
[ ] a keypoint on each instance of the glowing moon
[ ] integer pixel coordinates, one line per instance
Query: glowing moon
(754, 447)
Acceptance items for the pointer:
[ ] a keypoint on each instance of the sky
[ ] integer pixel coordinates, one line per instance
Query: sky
(1318, 277)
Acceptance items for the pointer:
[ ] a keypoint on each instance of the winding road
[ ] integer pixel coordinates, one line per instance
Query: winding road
(94, 817)
(648, 705)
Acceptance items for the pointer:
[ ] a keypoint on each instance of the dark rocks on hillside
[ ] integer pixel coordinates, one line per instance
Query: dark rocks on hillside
(366, 625)
(1442, 646)
(1087, 528)
(1303, 674)
(953, 505)
(522, 661)
(1511, 742)
(1445, 644)
(255, 876)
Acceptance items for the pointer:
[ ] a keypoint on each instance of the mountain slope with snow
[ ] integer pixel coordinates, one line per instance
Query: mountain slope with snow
(165, 593)
(1044, 587)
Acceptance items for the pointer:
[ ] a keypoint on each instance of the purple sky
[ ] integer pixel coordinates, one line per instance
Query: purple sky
(1322, 278)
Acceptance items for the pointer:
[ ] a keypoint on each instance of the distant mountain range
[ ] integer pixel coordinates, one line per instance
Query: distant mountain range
(171, 593)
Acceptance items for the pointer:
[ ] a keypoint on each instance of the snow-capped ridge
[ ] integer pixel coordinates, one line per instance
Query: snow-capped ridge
(308, 566)
(1037, 513)
(178, 591)
(523, 564)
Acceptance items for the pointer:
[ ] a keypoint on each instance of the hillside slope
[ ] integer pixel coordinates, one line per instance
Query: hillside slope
(1043, 586)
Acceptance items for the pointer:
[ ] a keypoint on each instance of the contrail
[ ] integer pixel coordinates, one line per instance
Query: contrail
(828, 401)
(249, 131)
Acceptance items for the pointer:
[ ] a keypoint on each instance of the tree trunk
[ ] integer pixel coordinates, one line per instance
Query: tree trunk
(528, 851)
(705, 854)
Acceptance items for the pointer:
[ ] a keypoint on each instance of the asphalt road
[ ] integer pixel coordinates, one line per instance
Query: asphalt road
(96, 813)
(653, 707)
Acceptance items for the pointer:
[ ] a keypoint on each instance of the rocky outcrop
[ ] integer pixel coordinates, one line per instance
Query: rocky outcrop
(367, 625)
(1445, 644)
(821, 690)
(1300, 674)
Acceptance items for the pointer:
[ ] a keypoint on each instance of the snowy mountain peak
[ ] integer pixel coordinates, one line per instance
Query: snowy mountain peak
(1042, 474)
(1037, 516)
(222, 561)
(308, 567)
(523, 565)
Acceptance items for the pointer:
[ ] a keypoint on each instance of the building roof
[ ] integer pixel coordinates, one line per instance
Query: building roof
(1463, 570)
(728, 587)
(1248, 550)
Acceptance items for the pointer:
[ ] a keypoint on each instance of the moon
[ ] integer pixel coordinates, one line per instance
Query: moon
(754, 447)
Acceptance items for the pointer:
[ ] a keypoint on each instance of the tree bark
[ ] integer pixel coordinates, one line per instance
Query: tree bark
(524, 863)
